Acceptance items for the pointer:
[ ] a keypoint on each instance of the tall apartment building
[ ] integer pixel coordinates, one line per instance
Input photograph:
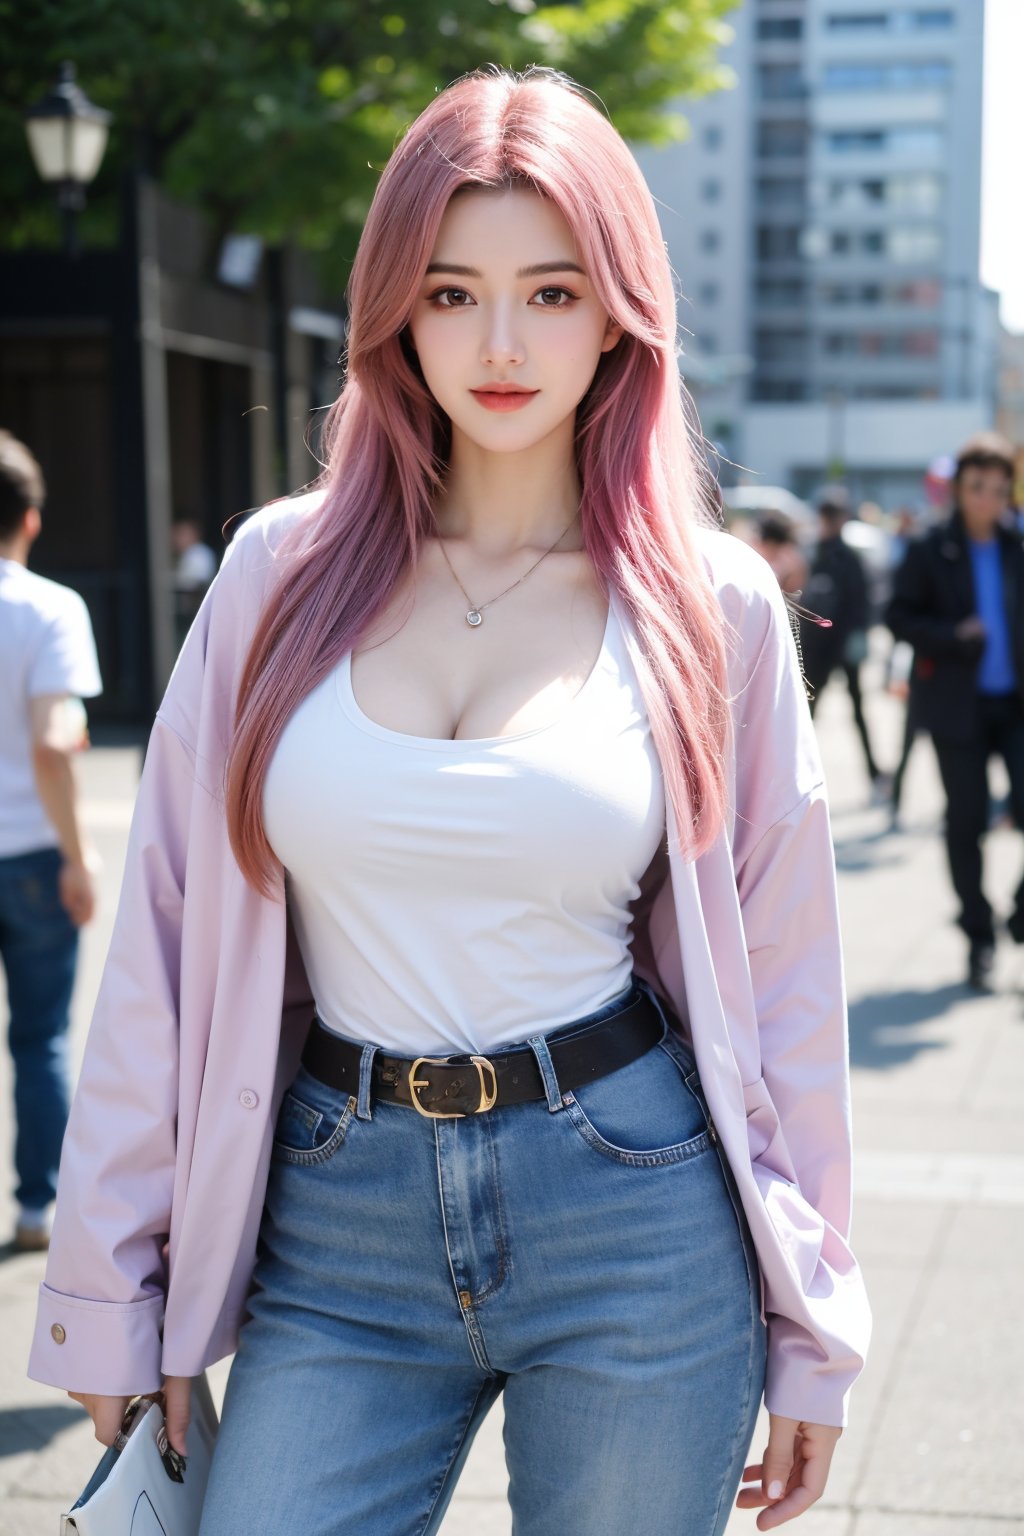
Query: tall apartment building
(824, 222)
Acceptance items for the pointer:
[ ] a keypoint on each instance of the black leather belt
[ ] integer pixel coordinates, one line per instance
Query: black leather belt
(451, 1086)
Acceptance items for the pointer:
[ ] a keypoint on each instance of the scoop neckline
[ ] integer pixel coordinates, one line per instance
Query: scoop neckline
(350, 705)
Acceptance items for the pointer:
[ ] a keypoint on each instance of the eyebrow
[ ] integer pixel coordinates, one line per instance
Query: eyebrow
(541, 269)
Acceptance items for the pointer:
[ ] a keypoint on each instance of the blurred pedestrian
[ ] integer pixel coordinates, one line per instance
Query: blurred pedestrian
(195, 567)
(837, 590)
(47, 866)
(518, 831)
(775, 539)
(958, 599)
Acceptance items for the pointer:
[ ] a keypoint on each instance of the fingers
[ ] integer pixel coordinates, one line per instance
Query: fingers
(808, 1449)
(779, 1456)
(177, 1410)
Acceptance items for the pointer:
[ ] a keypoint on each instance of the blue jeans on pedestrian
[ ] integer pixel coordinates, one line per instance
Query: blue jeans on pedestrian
(582, 1256)
(39, 948)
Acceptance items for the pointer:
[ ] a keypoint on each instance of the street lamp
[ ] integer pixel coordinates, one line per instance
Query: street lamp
(67, 135)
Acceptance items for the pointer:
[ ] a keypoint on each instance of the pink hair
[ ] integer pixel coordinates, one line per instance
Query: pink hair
(644, 490)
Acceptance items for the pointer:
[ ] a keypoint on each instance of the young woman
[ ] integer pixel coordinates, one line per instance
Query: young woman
(494, 753)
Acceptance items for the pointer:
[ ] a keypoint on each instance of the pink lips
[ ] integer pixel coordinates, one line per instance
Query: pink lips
(503, 397)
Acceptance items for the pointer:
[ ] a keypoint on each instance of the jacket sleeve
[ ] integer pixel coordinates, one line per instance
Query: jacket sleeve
(114, 1188)
(911, 611)
(799, 1118)
(117, 1166)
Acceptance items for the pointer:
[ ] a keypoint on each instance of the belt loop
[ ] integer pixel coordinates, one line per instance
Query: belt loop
(539, 1046)
(363, 1110)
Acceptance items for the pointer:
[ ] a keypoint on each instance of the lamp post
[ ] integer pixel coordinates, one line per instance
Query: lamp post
(67, 135)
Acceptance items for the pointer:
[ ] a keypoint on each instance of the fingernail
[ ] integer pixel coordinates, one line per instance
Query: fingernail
(775, 1490)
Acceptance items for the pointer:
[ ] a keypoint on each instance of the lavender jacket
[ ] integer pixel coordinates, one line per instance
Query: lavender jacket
(203, 1007)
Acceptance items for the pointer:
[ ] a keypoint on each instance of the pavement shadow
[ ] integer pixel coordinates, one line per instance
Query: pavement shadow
(882, 1024)
(30, 1429)
(7, 1252)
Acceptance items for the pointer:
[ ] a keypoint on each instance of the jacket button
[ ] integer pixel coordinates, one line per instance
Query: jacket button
(248, 1099)
(57, 1334)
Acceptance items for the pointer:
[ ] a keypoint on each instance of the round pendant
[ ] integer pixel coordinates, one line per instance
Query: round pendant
(474, 617)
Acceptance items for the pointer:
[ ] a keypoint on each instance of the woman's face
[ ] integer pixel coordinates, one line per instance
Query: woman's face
(983, 496)
(507, 327)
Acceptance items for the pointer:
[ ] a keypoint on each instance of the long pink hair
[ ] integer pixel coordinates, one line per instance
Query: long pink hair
(644, 489)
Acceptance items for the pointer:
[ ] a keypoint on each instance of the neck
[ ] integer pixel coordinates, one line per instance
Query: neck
(979, 531)
(510, 501)
(16, 550)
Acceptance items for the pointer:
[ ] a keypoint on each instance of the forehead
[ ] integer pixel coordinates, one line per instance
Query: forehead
(993, 474)
(501, 226)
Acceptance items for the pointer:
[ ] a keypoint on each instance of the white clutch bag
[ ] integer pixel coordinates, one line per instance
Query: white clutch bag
(138, 1488)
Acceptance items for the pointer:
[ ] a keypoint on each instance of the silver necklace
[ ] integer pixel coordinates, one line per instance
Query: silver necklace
(475, 615)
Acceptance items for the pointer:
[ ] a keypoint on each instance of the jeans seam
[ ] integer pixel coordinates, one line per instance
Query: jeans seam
(753, 1335)
(658, 1157)
(316, 1156)
(482, 1390)
(504, 1264)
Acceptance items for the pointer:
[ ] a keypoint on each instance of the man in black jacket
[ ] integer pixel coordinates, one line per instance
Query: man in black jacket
(958, 599)
(837, 590)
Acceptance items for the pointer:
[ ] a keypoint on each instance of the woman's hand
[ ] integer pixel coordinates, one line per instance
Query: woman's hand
(107, 1412)
(792, 1473)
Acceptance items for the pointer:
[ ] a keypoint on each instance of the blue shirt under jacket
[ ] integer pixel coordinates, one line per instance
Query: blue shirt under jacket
(996, 673)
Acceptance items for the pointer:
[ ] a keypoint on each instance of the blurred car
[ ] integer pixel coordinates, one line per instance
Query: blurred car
(747, 501)
(874, 546)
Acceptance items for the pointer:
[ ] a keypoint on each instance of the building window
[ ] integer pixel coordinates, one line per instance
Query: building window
(915, 75)
(781, 82)
(909, 140)
(856, 141)
(780, 29)
(933, 20)
(711, 190)
(850, 194)
(917, 293)
(778, 242)
(914, 140)
(711, 137)
(710, 240)
(875, 21)
(873, 344)
(707, 293)
(779, 389)
(775, 140)
(707, 343)
(911, 243)
(780, 346)
(780, 293)
(781, 191)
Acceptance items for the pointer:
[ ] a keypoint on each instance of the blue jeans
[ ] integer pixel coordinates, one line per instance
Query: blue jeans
(38, 947)
(581, 1256)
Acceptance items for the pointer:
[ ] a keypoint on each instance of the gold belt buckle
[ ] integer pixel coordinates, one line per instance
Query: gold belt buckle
(488, 1096)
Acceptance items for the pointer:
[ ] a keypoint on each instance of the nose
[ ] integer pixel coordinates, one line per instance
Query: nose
(502, 344)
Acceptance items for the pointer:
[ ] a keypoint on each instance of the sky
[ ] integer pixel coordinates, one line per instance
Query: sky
(1002, 205)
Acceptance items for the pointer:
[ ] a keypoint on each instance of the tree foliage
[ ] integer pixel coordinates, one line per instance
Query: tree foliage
(276, 115)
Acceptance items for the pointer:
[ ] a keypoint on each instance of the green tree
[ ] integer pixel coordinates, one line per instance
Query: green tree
(276, 115)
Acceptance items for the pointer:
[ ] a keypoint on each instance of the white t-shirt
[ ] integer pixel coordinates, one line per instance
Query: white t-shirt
(458, 895)
(46, 646)
(196, 567)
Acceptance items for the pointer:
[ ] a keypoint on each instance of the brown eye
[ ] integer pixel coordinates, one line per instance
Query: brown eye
(554, 298)
(451, 298)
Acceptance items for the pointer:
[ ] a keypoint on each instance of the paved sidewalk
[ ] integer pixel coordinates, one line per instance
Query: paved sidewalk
(934, 1446)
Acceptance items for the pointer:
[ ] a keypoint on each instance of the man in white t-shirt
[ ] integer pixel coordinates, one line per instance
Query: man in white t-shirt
(47, 867)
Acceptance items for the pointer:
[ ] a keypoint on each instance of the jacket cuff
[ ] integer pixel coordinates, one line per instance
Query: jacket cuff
(800, 1383)
(106, 1347)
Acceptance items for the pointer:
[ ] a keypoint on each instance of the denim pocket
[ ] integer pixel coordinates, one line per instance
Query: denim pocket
(312, 1123)
(645, 1115)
